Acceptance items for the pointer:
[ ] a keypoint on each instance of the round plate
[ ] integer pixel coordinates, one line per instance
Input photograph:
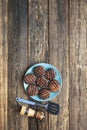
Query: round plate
(58, 78)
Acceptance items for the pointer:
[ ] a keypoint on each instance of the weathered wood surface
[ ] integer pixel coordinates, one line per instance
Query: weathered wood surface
(38, 45)
(3, 65)
(17, 60)
(78, 65)
(52, 31)
(58, 44)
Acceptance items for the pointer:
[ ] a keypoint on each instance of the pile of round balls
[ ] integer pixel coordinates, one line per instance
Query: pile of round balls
(41, 82)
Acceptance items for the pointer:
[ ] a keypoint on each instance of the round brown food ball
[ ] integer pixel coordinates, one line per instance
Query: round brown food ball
(30, 78)
(50, 74)
(42, 82)
(44, 93)
(33, 90)
(39, 71)
(54, 86)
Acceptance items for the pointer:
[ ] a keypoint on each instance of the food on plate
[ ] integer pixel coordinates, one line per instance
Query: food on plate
(39, 71)
(54, 86)
(44, 93)
(30, 78)
(32, 90)
(42, 82)
(50, 74)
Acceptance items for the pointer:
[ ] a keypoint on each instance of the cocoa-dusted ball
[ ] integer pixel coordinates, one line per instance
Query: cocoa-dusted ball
(30, 78)
(54, 86)
(44, 93)
(32, 90)
(50, 74)
(39, 71)
(42, 82)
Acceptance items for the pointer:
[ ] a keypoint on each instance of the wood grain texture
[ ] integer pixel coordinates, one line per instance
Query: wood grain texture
(3, 65)
(78, 64)
(53, 31)
(38, 44)
(17, 56)
(58, 44)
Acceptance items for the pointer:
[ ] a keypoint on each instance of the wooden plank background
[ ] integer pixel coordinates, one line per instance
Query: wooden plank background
(51, 31)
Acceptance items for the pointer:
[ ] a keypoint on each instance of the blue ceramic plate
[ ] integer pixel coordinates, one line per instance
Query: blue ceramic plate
(58, 78)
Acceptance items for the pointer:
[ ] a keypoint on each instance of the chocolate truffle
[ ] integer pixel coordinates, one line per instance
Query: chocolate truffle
(50, 74)
(30, 78)
(44, 93)
(33, 90)
(54, 86)
(39, 71)
(42, 82)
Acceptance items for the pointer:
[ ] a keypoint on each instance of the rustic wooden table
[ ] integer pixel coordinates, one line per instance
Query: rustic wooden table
(52, 31)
